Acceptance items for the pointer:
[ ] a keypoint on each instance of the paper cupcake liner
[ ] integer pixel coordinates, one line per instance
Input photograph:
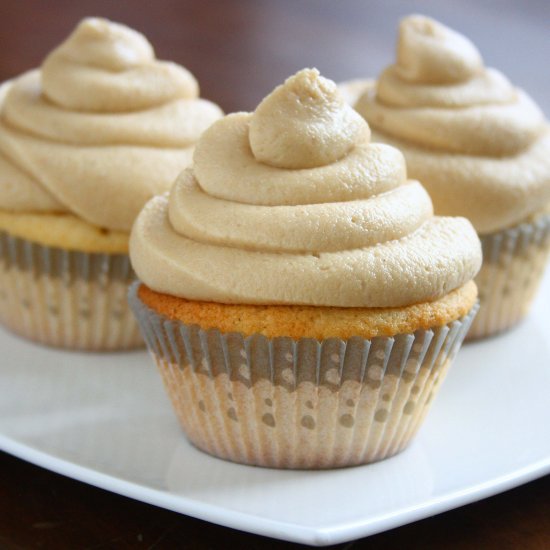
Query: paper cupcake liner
(304, 403)
(66, 298)
(513, 266)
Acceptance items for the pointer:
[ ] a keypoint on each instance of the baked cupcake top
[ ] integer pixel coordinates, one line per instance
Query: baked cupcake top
(478, 144)
(293, 204)
(99, 129)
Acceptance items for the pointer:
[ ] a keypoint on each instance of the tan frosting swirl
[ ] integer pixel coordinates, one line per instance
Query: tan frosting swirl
(456, 121)
(99, 129)
(336, 225)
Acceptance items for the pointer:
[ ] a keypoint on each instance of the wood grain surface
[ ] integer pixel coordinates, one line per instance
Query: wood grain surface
(239, 50)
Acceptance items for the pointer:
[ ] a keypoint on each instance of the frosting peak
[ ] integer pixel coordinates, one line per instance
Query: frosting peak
(100, 128)
(317, 228)
(431, 53)
(106, 44)
(439, 95)
(478, 144)
(304, 123)
(105, 67)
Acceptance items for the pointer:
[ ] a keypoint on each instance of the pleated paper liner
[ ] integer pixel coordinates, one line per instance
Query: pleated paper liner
(65, 298)
(286, 403)
(513, 265)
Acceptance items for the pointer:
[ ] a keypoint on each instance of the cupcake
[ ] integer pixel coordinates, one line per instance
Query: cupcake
(85, 142)
(299, 297)
(480, 146)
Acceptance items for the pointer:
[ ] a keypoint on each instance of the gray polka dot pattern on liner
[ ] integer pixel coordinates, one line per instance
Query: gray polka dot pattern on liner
(514, 261)
(347, 420)
(332, 377)
(68, 312)
(244, 371)
(374, 384)
(231, 413)
(268, 420)
(308, 422)
(272, 360)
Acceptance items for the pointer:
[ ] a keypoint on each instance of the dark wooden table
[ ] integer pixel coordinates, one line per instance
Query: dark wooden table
(239, 50)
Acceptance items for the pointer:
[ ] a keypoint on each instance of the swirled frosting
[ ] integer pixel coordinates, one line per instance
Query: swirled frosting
(478, 144)
(99, 129)
(293, 204)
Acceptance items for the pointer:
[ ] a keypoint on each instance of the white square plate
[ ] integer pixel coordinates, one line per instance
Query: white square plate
(105, 420)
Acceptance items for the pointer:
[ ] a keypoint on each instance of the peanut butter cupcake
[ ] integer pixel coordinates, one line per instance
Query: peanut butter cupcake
(480, 146)
(299, 297)
(85, 142)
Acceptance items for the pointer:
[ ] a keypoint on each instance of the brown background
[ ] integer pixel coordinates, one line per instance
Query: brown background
(239, 50)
